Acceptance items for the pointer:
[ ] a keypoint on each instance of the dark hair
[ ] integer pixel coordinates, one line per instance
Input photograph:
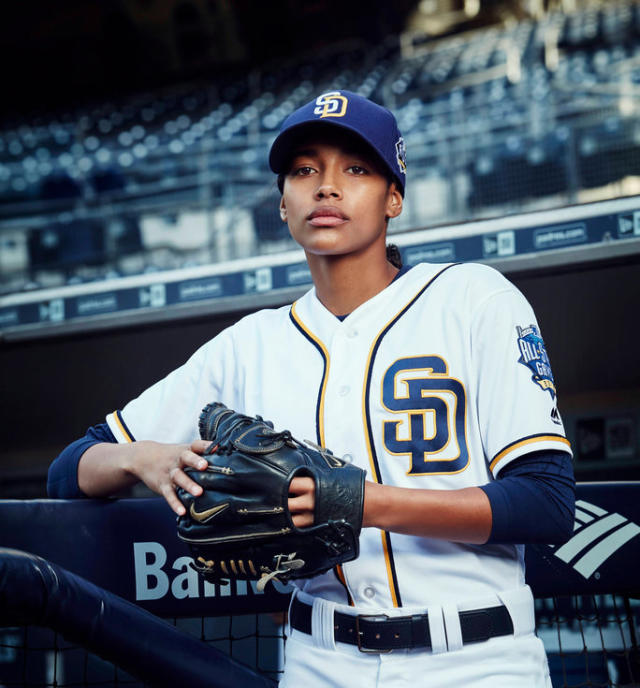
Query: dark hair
(394, 256)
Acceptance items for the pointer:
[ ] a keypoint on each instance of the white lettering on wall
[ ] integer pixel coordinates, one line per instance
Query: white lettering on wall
(154, 577)
(186, 584)
(151, 581)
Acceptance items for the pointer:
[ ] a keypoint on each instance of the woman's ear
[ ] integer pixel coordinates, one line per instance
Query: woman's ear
(394, 201)
(283, 210)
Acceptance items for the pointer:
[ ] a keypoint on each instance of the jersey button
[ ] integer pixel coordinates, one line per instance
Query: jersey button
(344, 390)
(347, 457)
(369, 592)
(352, 333)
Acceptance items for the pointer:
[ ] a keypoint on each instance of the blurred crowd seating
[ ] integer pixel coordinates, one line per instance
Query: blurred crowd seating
(502, 119)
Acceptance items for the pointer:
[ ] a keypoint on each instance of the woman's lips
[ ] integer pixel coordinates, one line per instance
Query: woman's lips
(326, 216)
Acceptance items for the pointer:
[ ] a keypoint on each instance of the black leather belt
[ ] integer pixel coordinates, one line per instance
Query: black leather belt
(381, 633)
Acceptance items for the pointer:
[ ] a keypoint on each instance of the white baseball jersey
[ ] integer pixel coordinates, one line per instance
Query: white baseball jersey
(437, 382)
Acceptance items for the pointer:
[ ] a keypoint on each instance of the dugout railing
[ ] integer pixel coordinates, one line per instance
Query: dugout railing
(100, 593)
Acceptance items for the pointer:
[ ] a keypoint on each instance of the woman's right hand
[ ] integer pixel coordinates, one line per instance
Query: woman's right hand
(106, 469)
(162, 468)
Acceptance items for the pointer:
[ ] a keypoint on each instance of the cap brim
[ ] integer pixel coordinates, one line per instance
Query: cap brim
(282, 148)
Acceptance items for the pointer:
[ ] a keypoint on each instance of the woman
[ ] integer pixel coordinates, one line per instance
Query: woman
(434, 379)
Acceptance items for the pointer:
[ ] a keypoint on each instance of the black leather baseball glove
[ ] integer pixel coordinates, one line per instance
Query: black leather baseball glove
(240, 527)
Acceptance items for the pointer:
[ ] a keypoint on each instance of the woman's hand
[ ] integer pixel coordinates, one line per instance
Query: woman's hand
(162, 468)
(302, 501)
(106, 469)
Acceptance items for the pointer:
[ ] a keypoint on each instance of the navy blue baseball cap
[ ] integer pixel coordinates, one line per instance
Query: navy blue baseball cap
(372, 123)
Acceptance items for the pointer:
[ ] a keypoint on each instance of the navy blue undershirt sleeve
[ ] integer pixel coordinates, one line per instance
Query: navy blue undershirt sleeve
(533, 500)
(62, 480)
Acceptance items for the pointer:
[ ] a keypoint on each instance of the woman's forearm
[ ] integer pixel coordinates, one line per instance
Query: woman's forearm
(106, 469)
(459, 515)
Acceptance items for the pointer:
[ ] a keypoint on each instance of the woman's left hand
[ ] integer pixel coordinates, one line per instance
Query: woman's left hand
(302, 500)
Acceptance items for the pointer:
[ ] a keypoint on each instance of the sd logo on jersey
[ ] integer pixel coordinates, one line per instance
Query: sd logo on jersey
(432, 407)
(533, 355)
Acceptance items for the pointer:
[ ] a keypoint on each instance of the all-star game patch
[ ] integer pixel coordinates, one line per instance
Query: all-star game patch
(401, 155)
(533, 355)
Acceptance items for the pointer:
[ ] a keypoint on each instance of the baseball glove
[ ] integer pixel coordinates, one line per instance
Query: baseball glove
(241, 528)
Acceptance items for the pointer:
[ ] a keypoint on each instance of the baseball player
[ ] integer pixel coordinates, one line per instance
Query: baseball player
(434, 379)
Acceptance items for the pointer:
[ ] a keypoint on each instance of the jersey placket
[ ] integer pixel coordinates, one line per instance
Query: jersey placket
(348, 349)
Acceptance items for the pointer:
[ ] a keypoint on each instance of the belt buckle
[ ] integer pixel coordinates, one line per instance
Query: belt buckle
(359, 633)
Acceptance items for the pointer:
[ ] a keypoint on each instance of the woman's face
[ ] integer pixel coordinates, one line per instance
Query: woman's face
(336, 199)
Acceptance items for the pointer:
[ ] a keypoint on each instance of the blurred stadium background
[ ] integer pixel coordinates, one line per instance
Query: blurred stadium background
(133, 147)
(135, 134)
(133, 142)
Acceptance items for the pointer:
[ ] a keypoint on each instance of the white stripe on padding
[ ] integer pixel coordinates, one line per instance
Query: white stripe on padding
(587, 564)
(586, 536)
(583, 516)
(591, 507)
